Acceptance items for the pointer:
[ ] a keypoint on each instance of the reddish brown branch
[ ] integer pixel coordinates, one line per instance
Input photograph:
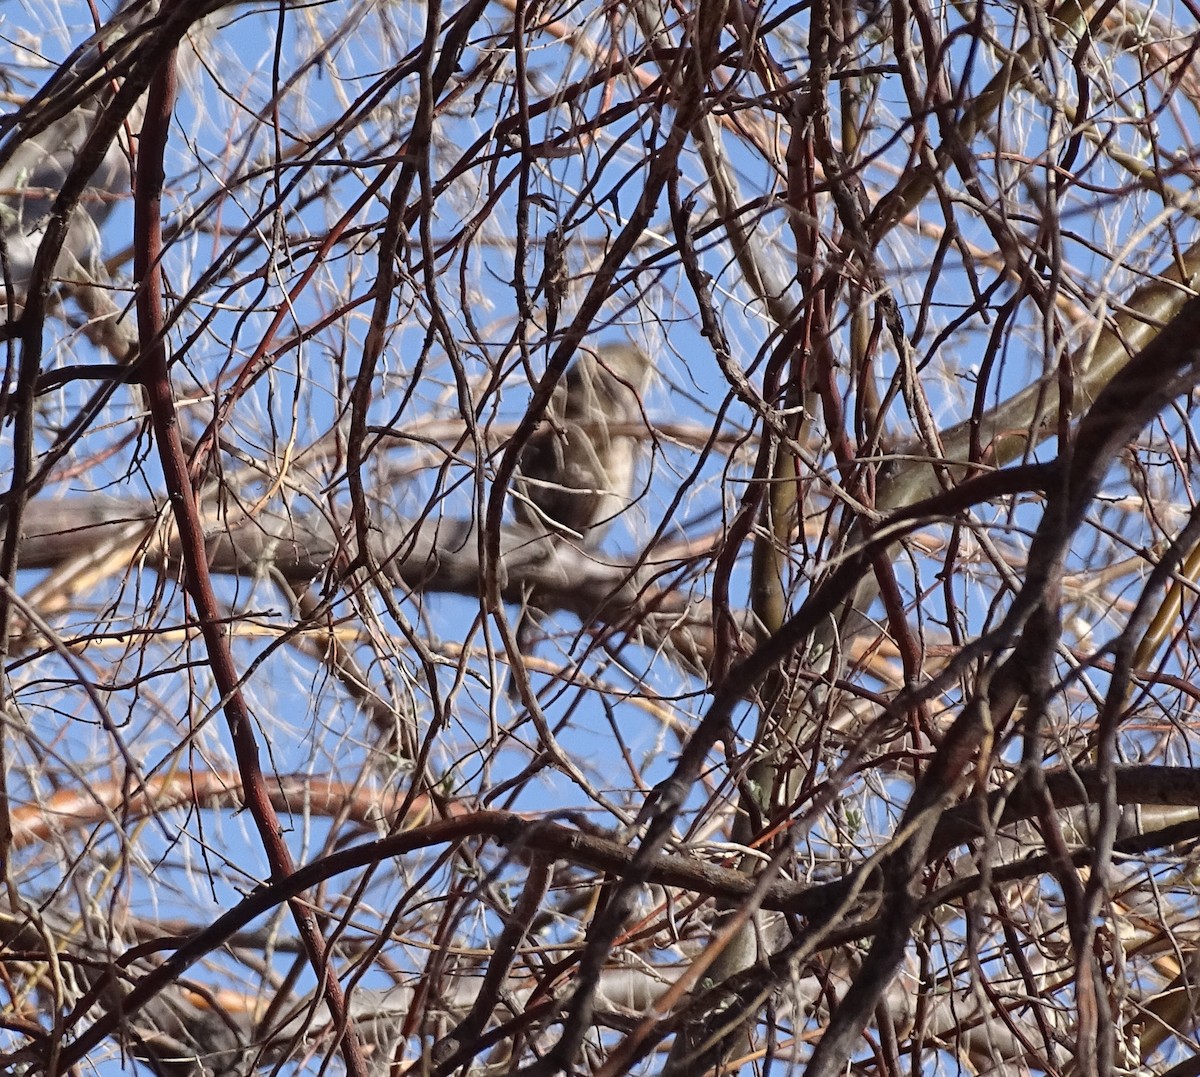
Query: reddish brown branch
(160, 399)
(1166, 368)
(1164, 786)
(71, 809)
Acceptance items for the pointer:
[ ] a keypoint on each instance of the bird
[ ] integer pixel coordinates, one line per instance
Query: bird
(576, 474)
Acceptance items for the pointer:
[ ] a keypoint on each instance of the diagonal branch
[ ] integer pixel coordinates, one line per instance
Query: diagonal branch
(165, 421)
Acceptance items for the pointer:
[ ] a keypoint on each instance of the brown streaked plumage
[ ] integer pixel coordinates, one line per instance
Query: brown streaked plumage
(576, 474)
